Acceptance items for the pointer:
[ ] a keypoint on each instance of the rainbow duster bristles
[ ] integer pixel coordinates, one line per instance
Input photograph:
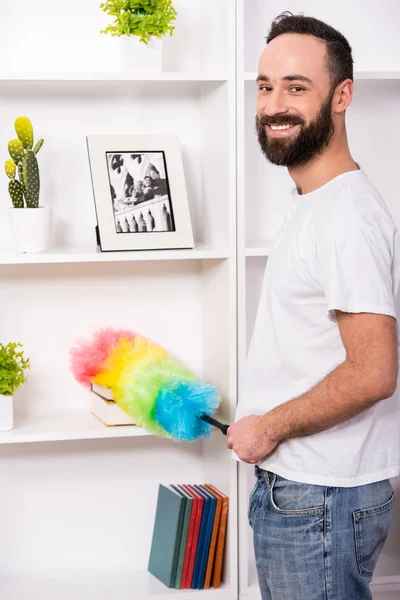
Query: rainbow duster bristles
(157, 391)
(127, 354)
(138, 390)
(180, 405)
(88, 358)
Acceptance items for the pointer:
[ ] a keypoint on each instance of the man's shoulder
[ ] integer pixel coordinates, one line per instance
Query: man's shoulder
(353, 205)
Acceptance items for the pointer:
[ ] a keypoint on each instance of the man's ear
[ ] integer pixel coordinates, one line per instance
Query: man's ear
(343, 96)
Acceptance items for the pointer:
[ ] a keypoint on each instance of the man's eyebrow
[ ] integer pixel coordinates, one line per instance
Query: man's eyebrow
(292, 77)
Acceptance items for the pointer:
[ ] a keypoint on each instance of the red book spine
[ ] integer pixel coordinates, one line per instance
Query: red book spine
(190, 539)
(193, 551)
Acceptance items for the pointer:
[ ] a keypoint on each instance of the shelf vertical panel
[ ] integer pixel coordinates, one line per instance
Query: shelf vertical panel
(220, 280)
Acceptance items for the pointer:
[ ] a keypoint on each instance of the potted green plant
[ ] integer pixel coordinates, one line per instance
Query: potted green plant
(12, 375)
(30, 223)
(140, 25)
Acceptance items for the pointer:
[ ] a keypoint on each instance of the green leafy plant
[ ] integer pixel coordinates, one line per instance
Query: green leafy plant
(22, 168)
(145, 18)
(12, 368)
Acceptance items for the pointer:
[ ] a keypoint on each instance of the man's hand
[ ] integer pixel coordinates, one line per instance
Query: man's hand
(249, 439)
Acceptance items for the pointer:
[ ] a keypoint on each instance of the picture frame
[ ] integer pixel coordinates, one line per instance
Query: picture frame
(139, 192)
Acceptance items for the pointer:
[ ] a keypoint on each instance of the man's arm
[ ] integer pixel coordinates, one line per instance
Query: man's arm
(367, 375)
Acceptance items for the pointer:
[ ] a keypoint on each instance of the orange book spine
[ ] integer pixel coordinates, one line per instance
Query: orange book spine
(220, 545)
(214, 534)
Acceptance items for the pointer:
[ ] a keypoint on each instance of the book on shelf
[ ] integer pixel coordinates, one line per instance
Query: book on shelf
(214, 534)
(189, 533)
(102, 391)
(188, 502)
(166, 535)
(104, 407)
(193, 536)
(221, 535)
(204, 537)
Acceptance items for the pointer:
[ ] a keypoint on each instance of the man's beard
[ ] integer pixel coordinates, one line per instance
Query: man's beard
(310, 141)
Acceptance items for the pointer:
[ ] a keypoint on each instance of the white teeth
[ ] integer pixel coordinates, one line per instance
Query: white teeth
(280, 127)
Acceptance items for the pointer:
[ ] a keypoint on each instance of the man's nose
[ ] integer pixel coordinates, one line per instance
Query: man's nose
(274, 104)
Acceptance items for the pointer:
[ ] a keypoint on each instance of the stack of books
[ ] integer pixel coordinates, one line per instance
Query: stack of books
(189, 534)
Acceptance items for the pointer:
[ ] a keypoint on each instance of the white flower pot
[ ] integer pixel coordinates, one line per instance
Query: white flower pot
(6, 413)
(138, 56)
(31, 228)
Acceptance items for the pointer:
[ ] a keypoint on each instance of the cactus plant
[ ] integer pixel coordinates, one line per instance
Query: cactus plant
(23, 160)
(10, 168)
(24, 130)
(16, 193)
(31, 179)
(38, 145)
(16, 150)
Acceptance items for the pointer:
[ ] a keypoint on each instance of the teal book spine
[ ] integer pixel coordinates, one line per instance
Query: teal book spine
(167, 533)
(188, 500)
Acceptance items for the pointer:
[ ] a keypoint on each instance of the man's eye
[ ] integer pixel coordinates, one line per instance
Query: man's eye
(297, 88)
(265, 88)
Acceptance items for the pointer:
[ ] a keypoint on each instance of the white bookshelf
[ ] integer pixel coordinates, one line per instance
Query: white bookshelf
(76, 489)
(89, 254)
(65, 427)
(264, 192)
(102, 587)
(112, 77)
(78, 513)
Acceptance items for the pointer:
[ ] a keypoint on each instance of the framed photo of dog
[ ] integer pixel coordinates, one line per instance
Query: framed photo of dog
(139, 192)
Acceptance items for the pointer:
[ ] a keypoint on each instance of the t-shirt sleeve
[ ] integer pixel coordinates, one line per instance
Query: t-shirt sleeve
(354, 269)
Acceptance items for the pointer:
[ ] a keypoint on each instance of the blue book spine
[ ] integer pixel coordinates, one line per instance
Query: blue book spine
(202, 534)
(207, 538)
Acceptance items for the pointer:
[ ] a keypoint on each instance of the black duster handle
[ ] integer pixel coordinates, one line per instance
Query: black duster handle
(222, 426)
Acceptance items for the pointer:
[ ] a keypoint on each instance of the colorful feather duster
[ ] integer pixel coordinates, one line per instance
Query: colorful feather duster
(156, 390)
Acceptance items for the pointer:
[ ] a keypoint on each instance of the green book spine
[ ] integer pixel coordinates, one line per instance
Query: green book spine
(185, 528)
(167, 533)
(177, 545)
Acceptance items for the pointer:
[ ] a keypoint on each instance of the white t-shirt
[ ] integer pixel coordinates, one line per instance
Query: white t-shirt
(338, 249)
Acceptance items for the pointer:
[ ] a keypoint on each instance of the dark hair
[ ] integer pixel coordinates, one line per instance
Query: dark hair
(338, 49)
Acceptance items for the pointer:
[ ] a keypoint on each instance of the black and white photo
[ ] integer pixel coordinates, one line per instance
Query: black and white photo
(139, 189)
(139, 192)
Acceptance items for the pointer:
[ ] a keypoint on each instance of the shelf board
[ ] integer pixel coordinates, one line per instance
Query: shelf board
(123, 586)
(196, 76)
(92, 254)
(65, 427)
(257, 251)
(358, 75)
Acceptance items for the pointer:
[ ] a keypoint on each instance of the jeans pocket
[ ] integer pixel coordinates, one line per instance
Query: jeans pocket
(371, 527)
(253, 501)
(295, 499)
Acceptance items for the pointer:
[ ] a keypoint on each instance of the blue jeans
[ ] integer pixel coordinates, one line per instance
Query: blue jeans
(313, 542)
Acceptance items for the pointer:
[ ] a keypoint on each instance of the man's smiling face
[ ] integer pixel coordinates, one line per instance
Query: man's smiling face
(294, 100)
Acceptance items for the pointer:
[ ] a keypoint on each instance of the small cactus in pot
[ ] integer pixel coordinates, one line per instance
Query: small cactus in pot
(24, 190)
(30, 229)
